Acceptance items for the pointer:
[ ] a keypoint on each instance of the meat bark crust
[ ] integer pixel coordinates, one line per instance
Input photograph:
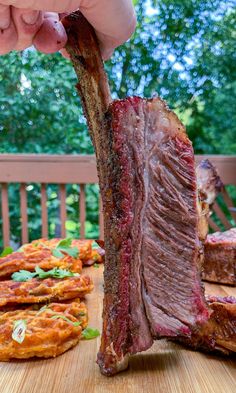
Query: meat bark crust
(220, 257)
(150, 203)
(148, 186)
(209, 182)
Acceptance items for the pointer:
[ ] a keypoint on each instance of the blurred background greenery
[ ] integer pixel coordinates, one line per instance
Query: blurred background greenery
(182, 50)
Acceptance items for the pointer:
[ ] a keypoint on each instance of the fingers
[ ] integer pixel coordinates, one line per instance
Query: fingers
(20, 28)
(45, 5)
(8, 33)
(4, 17)
(113, 20)
(27, 24)
(51, 37)
(17, 28)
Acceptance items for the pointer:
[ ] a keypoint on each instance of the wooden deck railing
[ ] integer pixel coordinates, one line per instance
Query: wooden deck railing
(46, 169)
(63, 170)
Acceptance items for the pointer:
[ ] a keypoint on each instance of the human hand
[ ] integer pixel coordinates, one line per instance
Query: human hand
(36, 22)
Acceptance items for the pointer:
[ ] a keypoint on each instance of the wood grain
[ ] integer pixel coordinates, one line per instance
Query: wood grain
(5, 215)
(79, 168)
(165, 368)
(82, 210)
(44, 210)
(62, 195)
(24, 215)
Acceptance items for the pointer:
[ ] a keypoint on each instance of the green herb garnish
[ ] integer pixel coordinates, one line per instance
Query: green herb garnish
(42, 309)
(65, 243)
(25, 275)
(6, 251)
(64, 247)
(90, 333)
(36, 244)
(95, 246)
(66, 319)
(56, 272)
(19, 329)
(96, 265)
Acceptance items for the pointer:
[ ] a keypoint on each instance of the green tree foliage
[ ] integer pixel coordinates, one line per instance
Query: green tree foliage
(183, 50)
(40, 110)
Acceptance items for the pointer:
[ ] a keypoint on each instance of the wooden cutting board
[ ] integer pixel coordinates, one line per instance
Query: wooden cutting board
(165, 368)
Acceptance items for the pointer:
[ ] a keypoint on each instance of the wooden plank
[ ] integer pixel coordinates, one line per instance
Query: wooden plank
(216, 208)
(213, 225)
(101, 220)
(230, 291)
(165, 368)
(23, 212)
(213, 289)
(44, 210)
(82, 211)
(62, 193)
(53, 169)
(5, 215)
(71, 169)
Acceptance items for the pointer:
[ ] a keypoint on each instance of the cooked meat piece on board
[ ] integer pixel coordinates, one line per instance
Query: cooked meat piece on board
(220, 257)
(148, 184)
(209, 186)
(208, 181)
(42, 291)
(219, 248)
(31, 256)
(219, 331)
(47, 332)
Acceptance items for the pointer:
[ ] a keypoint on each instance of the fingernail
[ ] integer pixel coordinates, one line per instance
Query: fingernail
(4, 17)
(30, 17)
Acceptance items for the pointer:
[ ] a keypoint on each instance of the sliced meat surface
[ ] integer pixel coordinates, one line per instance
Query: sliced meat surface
(152, 285)
(152, 270)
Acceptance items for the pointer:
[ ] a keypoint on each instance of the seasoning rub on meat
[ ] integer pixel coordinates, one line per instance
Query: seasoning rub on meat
(153, 253)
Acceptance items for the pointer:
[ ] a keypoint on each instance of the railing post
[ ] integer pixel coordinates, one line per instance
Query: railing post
(63, 209)
(82, 210)
(5, 215)
(44, 210)
(23, 210)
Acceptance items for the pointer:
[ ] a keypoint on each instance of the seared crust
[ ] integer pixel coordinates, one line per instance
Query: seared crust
(218, 333)
(44, 337)
(93, 85)
(220, 257)
(42, 291)
(115, 157)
